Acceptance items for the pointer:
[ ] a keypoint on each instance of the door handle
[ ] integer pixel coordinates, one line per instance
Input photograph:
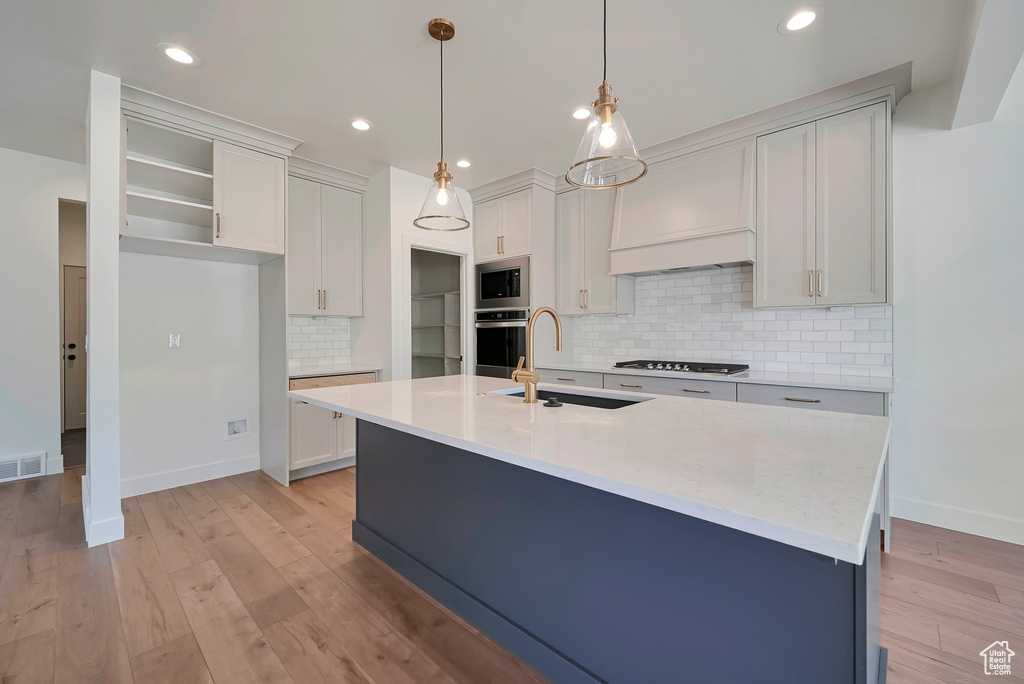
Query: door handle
(325, 300)
(218, 224)
(579, 299)
(586, 299)
(819, 283)
(810, 283)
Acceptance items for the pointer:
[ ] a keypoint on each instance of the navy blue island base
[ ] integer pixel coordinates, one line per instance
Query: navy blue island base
(589, 586)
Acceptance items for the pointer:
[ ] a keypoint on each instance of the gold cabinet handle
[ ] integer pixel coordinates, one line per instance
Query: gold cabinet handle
(325, 300)
(218, 224)
(693, 391)
(803, 401)
(810, 283)
(622, 384)
(566, 379)
(579, 298)
(586, 299)
(502, 238)
(820, 294)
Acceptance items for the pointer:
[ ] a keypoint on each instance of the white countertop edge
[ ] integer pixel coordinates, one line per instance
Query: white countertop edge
(312, 371)
(858, 383)
(850, 551)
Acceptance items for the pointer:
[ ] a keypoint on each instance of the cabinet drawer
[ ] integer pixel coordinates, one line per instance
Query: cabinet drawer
(332, 381)
(681, 387)
(848, 401)
(572, 378)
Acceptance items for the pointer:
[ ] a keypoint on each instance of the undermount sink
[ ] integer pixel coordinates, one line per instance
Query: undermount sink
(602, 401)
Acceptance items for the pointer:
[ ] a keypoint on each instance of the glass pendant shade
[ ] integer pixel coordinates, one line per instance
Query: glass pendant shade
(607, 156)
(442, 209)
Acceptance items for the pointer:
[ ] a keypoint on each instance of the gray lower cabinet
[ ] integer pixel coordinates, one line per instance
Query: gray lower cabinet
(683, 387)
(847, 401)
(571, 378)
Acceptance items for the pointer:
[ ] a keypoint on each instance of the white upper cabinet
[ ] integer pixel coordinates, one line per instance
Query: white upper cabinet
(821, 212)
(852, 207)
(341, 223)
(325, 250)
(248, 199)
(303, 253)
(502, 226)
(691, 210)
(583, 228)
(785, 217)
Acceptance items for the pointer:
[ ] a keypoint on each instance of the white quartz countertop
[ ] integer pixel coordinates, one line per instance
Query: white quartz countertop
(841, 382)
(319, 371)
(801, 477)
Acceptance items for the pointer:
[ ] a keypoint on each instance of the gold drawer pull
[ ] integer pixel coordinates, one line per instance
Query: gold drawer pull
(810, 283)
(697, 391)
(803, 401)
(622, 384)
(566, 379)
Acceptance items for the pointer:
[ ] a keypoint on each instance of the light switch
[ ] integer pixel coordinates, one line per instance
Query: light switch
(174, 341)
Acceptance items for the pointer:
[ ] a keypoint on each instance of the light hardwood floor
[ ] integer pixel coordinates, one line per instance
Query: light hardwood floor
(242, 580)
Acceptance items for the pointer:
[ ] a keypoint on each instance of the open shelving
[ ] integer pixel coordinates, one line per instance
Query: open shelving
(436, 314)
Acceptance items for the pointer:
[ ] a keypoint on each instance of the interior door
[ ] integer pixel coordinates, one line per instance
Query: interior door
(600, 288)
(248, 199)
(569, 253)
(784, 270)
(342, 249)
(515, 223)
(304, 248)
(74, 347)
(486, 219)
(851, 207)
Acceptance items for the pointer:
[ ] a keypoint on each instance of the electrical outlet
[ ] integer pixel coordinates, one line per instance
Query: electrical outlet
(174, 341)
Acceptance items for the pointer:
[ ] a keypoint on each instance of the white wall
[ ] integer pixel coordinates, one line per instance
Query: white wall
(958, 241)
(175, 402)
(30, 188)
(71, 252)
(392, 201)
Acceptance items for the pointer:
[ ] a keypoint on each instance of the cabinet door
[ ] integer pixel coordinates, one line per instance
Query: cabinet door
(784, 270)
(851, 207)
(569, 253)
(303, 247)
(600, 289)
(517, 210)
(248, 199)
(346, 429)
(486, 221)
(312, 435)
(342, 220)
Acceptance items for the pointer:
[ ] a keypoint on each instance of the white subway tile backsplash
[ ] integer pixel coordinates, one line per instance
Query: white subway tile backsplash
(710, 316)
(318, 340)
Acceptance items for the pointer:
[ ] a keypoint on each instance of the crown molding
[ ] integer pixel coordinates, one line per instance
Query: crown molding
(514, 183)
(324, 173)
(145, 105)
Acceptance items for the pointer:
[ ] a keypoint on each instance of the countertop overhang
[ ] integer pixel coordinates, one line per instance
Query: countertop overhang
(805, 478)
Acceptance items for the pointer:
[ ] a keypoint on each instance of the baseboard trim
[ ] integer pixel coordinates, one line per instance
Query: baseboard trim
(54, 465)
(320, 468)
(105, 531)
(959, 519)
(155, 482)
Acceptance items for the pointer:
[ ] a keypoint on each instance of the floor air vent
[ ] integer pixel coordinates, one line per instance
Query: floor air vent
(15, 468)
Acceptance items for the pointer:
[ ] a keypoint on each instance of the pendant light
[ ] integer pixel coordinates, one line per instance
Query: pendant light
(607, 156)
(442, 209)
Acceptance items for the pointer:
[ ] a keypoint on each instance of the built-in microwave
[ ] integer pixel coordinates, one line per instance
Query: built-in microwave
(503, 284)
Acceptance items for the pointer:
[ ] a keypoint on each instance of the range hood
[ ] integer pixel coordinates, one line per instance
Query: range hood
(692, 211)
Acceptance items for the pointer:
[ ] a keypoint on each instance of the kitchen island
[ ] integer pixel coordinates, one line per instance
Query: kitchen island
(667, 540)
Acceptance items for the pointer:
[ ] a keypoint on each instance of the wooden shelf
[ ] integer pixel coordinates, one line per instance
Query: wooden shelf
(191, 250)
(151, 204)
(427, 355)
(434, 295)
(169, 177)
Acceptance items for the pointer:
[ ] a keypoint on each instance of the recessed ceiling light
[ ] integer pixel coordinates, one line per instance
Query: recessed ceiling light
(179, 54)
(799, 20)
(580, 113)
(361, 124)
(463, 163)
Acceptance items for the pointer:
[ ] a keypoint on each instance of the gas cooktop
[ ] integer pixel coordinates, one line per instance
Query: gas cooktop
(686, 366)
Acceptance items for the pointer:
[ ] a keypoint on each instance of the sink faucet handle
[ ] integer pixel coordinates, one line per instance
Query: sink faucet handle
(519, 368)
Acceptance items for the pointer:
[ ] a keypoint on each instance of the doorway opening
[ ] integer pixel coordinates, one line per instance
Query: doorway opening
(71, 248)
(436, 280)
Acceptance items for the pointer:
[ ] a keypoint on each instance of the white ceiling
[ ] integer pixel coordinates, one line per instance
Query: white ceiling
(514, 69)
